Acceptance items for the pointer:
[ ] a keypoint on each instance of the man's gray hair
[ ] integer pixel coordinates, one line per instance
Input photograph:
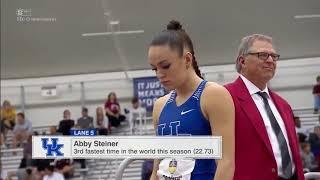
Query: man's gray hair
(246, 44)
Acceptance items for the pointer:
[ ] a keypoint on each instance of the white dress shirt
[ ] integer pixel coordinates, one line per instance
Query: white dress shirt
(272, 136)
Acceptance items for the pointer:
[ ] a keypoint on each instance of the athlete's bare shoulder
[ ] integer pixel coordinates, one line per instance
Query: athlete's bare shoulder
(158, 106)
(212, 84)
(214, 97)
(213, 88)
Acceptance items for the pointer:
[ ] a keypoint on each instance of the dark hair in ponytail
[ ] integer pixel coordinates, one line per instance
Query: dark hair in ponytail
(177, 39)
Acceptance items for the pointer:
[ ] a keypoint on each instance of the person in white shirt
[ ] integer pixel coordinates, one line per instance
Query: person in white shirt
(137, 114)
(21, 130)
(52, 175)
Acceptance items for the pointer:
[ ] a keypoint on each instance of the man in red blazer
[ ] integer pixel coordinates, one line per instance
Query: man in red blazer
(266, 146)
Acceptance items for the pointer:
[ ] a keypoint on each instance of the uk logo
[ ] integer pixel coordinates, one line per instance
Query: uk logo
(52, 148)
(174, 129)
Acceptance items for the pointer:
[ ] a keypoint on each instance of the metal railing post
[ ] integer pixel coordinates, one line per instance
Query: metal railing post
(82, 97)
(310, 175)
(122, 167)
(22, 98)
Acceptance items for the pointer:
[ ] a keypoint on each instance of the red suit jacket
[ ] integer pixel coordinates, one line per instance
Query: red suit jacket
(254, 158)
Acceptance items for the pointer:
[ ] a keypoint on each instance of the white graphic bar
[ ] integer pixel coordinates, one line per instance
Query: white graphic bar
(118, 147)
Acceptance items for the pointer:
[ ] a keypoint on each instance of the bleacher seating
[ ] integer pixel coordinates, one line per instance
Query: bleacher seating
(308, 121)
(96, 168)
(307, 118)
(106, 168)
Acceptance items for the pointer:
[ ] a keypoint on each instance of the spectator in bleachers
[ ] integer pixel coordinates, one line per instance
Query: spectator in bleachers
(8, 118)
(299, 130)
(2, 143)
(102, 122)
(53, 131)
(25, 168)
(65, 167)
(22, 174)
(316, 93)
(137, 114)
(21, 130)
(297, 123)
(113, 110)
(51, 174)
(66, 123)
(308, 159)
(86, 121)
(40, 165)
(314, 140)
(27, 154)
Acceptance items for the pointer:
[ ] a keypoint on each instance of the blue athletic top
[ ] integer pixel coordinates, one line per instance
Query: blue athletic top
(187, 119)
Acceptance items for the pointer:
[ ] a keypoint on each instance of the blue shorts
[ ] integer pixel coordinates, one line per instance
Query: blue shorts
(202, 176)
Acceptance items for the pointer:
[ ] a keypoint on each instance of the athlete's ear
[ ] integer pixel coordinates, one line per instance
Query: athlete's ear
(188, 59)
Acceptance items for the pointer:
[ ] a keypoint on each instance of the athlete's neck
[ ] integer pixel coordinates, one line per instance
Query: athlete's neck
(187, 88)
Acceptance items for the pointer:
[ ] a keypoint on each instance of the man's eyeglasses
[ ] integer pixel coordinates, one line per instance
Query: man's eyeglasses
(264, 55)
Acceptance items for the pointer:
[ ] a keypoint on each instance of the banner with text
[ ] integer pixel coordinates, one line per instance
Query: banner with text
(137, 147)
(147, 90)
